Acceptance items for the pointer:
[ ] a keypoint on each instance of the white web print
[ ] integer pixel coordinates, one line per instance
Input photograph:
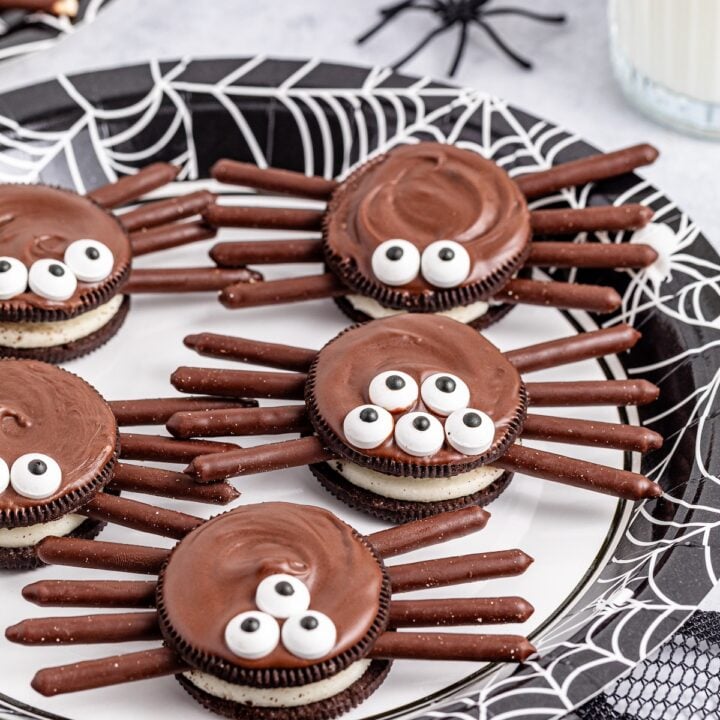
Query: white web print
(264, 106)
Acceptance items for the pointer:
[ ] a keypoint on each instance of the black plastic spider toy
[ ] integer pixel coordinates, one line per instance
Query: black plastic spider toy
(463, 13)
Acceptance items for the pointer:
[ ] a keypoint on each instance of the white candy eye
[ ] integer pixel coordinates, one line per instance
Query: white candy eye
(252, 635)
(445, 264)
(419, 434)
(470, 431)
(367, 426)
(444, 393)
(52, 279)
(4, 476)
(13, 278)
(393, 390)
(282, 596)
(90, 260)
(310, 635)
(35, 476)
(396, 262)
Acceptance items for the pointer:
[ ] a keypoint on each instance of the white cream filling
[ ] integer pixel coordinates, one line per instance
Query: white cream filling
(32, 335)
(279, 697)
(418, 489)
(23, 537)
(372, 308)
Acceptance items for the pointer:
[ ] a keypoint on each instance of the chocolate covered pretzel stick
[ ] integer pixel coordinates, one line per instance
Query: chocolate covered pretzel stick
(132, 187)
(91, 593)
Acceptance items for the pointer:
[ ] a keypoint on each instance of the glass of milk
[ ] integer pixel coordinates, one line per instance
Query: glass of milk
(666, 56)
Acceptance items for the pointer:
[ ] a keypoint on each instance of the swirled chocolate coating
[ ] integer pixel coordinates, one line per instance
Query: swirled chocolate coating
(423, 193)
(39, 222)
(214, 572)
(419, 345)
(44, 409)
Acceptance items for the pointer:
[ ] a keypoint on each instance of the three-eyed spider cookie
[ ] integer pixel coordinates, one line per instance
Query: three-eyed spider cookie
(417, 414)
(276, 610)
(433, 228)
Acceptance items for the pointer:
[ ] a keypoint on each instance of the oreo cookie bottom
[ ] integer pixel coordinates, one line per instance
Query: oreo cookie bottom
(26, 558)
(78, 348)
(322, 710)
(494, 314)
(400, 511)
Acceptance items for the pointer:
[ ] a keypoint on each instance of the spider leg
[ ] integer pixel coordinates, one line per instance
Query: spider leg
(452, 646)
(261, 458)
(244, 421)
(616, 393)
(459, 611)
(133, 187)
(158, 411)
(157, 448)
(460, 51)
(267, 252)
(503, 45)
(256, 352)
(578, 473)
(387, 13)
(275, 292)
(187, 280)
(104, 672)
(91, 593)
(558, 18)
(163, 237)
(590, 255)
(265, 218)
(234, 383)
(87, 629)
(162, 212)
(569, 221)
(569, 296)
(165, 483)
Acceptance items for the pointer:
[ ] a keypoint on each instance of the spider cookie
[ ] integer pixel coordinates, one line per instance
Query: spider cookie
(66, 261)
(413, 415)
(273, 625)
(59, 446)
(432, 228)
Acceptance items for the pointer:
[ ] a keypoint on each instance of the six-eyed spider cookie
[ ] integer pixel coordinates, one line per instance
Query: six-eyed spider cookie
(416, 414)
(65, 261)
(59, 450)
(433, 228)
(275, 610)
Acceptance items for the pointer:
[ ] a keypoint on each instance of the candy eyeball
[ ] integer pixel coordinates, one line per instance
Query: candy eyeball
(444, 393)
(282, 596)
(396, 262)
(368, 426)
(52, 279)
(252, 635)
(419, 434)
(90, 260)
(13, 278)
(35, 476)
(310, 635)
(393, 390)
(445, 264)
(470, 431)
(4, 476)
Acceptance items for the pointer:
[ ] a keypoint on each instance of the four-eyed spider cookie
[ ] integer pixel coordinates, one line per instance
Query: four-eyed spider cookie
(417, 414)
(66, 261)
(433, 228)
(276, 610)
(59, 446)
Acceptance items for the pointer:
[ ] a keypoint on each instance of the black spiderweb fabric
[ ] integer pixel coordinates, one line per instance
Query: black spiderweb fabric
(680, 681)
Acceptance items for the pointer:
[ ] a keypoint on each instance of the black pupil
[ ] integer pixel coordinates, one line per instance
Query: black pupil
(92, 253)
(472, 420)
(368, 415)
(56, 270)
(395, 382)
(250, 625)
(445, 384)
(309, 622)
(446, 254)
(284, 588)
(394, 253)
(37, 467)
(421, 423)
(4, 266)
